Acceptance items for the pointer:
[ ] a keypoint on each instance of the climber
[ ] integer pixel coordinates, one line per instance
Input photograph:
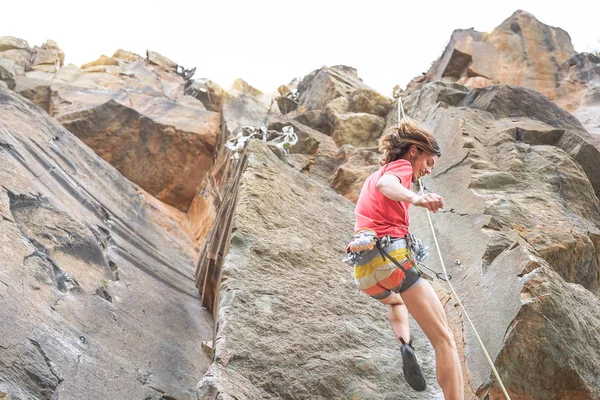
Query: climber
(383, 265)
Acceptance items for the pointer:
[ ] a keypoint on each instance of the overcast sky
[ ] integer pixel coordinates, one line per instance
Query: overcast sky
(268, 43)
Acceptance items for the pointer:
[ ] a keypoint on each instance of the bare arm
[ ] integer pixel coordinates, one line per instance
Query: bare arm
(391, 188)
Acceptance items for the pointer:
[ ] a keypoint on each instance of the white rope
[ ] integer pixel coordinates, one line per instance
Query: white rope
(400, 106)
(487, 356)
(489, 359)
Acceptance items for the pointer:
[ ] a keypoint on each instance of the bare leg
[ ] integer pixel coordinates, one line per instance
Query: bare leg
(424, 305)
(398, 316)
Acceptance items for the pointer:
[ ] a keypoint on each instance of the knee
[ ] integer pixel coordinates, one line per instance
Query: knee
(444, 340)
(395, 313)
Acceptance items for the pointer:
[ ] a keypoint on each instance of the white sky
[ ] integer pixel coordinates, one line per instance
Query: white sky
(268, 43)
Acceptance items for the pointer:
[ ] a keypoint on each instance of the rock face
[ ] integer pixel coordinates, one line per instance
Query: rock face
(291, 323)
(132, 111)
(353, 112)
(165, 146)
(523, 51)
(244, 105)
(520, 51)
(97, 301)
(354, 168)
(522, 218)
(570, 371)
(580, 88)
(521, 224)
(134, 114)
(98, 278)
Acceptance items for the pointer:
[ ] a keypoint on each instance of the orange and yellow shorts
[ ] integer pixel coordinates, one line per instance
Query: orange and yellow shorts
(378, 276)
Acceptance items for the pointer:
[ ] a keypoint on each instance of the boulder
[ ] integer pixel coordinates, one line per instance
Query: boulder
(47, 58)
(520, 51)
(208, 92)
(317, 120)
(13, 43)
(286, 104)
(21, 57)
(244, 105)
(164, 146)
(354, 168)
(36, 90)
(323, 85)
(310, 141)
(357, 129)
(370, 102)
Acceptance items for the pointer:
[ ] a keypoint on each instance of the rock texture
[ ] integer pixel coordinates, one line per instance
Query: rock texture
(520, 51)
(163, 145)
(291, 323)
(98, 278)
(244, 105)
(97, 301)
(519, 206)
(580, 87)
(131, 110)
(523, 51)
(353, 111)
(520, 236)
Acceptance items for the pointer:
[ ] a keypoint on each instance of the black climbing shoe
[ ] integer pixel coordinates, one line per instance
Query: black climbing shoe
(411, 368)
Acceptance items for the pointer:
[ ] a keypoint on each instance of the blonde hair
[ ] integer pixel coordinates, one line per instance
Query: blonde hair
(398, 139)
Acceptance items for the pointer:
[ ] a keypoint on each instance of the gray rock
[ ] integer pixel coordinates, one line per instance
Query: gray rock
(370, 101)
(244, 105)
(323, 85)
(357, 129)
(284, 269)
(36, 90)
(286, 104)
(7, 72)
(516, 202)
(74, 234)
(516, 102)
(12, 43)
(317, 120)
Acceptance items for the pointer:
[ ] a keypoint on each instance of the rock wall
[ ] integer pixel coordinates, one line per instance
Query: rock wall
(97, 301)
(290, 322)
(526, 52)
(519, 235)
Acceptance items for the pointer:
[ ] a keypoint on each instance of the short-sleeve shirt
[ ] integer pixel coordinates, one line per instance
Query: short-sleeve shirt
(376, 211)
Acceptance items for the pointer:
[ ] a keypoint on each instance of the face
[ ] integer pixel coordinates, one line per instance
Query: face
(422, 162)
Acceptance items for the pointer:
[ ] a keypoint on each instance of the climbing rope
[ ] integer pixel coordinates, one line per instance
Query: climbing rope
(437, 246)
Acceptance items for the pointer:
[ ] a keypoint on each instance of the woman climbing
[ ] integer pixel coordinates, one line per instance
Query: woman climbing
(383, 266)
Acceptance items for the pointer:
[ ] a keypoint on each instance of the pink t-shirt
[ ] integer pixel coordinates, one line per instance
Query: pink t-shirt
(375, 211)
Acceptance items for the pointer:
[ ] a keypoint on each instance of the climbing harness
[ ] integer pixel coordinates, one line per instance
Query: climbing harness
(454, 294)
(366, 239)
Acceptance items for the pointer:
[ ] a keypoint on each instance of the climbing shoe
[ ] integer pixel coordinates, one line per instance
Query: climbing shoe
(411, 368)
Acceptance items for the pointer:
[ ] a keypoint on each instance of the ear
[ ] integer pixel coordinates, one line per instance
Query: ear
(412, 150)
